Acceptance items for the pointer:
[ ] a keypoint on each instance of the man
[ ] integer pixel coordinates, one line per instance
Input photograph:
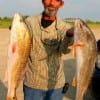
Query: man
(44, 78)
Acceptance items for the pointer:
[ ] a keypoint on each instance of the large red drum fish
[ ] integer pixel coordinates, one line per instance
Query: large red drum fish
(86, 55)
(18, 52)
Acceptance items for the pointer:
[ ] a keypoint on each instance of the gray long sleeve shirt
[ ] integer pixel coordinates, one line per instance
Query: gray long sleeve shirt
(45, 68)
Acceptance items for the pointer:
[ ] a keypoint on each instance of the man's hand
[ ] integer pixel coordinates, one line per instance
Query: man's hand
(70, 32)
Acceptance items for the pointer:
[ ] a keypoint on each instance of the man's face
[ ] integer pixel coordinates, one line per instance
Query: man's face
(51, 6)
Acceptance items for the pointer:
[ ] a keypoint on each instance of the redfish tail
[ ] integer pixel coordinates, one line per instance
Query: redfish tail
(10, 98)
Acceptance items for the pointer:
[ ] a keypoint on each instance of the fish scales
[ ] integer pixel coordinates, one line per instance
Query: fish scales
(86, 55)
(17, 60)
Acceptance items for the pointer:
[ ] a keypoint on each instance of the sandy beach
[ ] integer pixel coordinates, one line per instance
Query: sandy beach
(69, 68)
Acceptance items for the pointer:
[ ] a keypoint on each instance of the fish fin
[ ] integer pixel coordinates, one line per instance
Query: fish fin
(74, 46)
(74, 81)
(14, 47)
(74, 52)
(78, 45)
(5, 77)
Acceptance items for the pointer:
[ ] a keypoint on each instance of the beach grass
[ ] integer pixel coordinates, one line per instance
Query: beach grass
(6, 22)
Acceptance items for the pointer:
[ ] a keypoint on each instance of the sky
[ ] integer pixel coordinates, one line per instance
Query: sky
(85, 9)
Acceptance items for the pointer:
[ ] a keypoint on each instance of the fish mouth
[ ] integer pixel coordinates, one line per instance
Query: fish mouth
(81, 25)
(18, 16)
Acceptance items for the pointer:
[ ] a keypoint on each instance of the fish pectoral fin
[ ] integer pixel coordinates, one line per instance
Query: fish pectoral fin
(74, 81)
(74, 46)
(73, 52)
(5, 77)
(78, 45)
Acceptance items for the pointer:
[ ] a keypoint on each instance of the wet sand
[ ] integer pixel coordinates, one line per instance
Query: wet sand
(69, 68)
